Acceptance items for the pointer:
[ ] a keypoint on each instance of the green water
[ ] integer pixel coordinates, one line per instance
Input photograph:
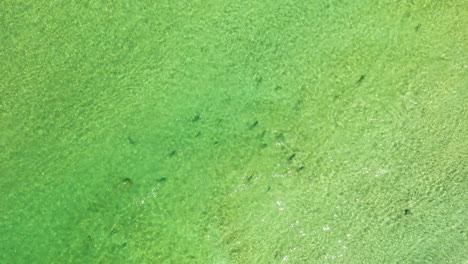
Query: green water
(233, 131)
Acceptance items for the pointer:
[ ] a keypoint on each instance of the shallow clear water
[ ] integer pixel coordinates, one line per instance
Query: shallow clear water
(236, 132)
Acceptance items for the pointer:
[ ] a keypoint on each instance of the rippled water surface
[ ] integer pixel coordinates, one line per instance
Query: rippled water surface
(233, 131)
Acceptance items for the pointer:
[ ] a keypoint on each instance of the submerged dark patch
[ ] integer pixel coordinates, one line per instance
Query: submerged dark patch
(131, 141)
(162, 179)
(196, 118)
(254, 125)
(127, 181)
(361, 79)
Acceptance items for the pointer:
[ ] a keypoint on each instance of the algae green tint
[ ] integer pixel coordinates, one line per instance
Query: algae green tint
(233, 132)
